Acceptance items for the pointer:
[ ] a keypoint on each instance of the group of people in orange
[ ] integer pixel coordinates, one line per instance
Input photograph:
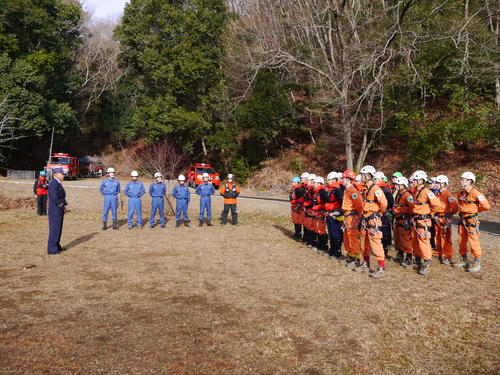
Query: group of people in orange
(363, 212)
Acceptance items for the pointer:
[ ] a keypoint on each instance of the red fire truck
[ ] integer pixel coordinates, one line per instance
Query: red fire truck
(195, 172)
(69, 164)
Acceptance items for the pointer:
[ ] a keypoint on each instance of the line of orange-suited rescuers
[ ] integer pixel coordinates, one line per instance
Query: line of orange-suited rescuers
(364, 211)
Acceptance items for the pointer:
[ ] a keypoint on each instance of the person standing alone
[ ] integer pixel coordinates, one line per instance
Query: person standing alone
(230, 192)
(57, 208)
(40, 190)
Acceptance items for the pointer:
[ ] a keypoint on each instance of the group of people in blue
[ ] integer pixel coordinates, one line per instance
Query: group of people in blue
(135, 189)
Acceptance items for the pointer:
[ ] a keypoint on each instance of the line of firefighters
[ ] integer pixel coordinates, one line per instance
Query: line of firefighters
(359, 212)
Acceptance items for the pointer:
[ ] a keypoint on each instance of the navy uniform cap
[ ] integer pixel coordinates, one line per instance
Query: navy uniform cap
(58, 170)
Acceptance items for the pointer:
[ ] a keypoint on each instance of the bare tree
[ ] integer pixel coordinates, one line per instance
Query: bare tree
(97, 61)
(9, 128)
(349, 50)
(162, 157)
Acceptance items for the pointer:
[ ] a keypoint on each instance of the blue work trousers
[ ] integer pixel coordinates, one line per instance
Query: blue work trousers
(181, 206)
(157, 204)
(205, 205)
(55, 231)
(334, 228)
(110, 203)
(134, 204)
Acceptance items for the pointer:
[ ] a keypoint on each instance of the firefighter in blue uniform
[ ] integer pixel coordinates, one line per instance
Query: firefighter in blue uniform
(182, 199)
(134, 191)
(110, 188)
(57, 208)
(157, 190)
(205, 190)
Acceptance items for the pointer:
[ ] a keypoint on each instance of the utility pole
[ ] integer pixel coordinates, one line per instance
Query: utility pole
(50, 150)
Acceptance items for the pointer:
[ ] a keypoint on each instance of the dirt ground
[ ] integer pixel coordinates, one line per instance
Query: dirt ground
(227, 300)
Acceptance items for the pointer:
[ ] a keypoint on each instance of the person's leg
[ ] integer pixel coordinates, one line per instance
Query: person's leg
(130, 212)
(154, 208)
(225, 211)
(161, 208)
(39, 205)
(54, 235)
(138, 211)
(44, 204)
(60, 233)
(107, 207)
(209, 209)
(234, 214)
(114, 208)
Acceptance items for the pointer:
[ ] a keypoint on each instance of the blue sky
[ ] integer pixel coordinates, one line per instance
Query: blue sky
(105, 8)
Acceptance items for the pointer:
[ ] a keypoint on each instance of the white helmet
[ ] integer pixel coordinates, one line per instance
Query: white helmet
(419, 175)
(338, 175)
(469, 176)
(134, 174)
(158, 174)
(379, 175)
(230, 176)
(205, 175)
(111, 170)
(358, 178)
(181, 178)
(401, 181)
(331, 176)
(304, 175)
(319, 180)
(311, 177)
(442, 179)
(368, 169)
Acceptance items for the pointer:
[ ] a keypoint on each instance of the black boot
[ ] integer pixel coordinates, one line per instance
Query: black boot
(400, 257)
(177, 223)
(323, 243)
(209, 224)
(408, 261)
(335, 248)
(298, 231)
(104, 225)
(201, 223)
(418, 263)
(305, 237)
(186, 223)
(115, 225)
(425, 268)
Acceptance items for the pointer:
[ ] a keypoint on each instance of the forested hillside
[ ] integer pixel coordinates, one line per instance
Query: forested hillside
(324, 83)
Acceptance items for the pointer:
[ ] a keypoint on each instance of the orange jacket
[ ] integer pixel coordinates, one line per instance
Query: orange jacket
(472, 202)
(374, 200)
(401, 203)
(352, 201)
(450, 203)
(231, 189)
(423, 198)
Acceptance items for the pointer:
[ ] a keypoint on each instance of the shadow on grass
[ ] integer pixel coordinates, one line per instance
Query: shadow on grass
(287, 232)
(81, 240)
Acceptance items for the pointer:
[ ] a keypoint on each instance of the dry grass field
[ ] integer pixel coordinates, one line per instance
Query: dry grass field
(227, 300)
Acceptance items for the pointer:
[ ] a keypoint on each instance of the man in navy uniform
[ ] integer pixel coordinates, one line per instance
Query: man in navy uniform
(157, 190)
(57, 208)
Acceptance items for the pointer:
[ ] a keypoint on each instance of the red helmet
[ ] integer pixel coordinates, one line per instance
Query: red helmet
(349, 174)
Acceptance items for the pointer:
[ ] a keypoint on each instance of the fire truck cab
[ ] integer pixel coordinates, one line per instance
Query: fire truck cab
(68, 163)
(195, 172)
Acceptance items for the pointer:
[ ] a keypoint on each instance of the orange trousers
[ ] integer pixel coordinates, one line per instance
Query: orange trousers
(402, 237)
(296, 217)
(421, 238)
(469, 236)
(443, 237)
(309, 223)
(351, 235)
(319, 226)
(371, 239)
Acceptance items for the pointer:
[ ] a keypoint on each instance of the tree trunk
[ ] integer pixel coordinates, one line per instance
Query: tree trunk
(205, 153)
(348, 145)
(497, 95)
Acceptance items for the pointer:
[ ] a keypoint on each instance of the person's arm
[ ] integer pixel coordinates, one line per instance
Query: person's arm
(482, 203)
(118, 188)
(151, 189)
(222, 190)
(101, 188)
(126, 192)
(212, 189)
(188, 195)
(143, 190)
(382, 200)
(174, 192)
(436, 203)
(198, 189)
(35, 186)
(237, 190)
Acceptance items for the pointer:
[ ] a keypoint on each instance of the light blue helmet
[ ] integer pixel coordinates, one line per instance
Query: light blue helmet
(296, 179)
(42, 173)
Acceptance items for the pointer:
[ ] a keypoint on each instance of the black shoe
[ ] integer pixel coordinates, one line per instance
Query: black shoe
(63, 249)
(186, 223)
(209, 224)
(201, 223)
(115, 225)
(54, 253)
(162, 225)
(177, 223)
(104, 225)
(222, 223)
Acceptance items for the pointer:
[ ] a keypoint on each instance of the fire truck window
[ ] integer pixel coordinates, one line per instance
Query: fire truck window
(60, 160)
(203, 170)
